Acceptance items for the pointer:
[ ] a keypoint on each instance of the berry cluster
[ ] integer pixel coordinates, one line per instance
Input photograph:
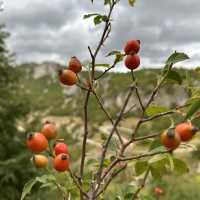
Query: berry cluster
(173, 137)
(131, 49)
(39, 142)
(69, 76)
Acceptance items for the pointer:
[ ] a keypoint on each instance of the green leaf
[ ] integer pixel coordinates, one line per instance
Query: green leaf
(193, 108)
(90, 15)
(141, 167)
(153, 110)
(27, 188)
(97, 19)
(107, 2)
(128, 196)
(104, 18)
(102, 65)
(158, 165)
(180, 167)
(155, 144)
(176, 57)
(92, 161)
(175, 76)
(43, 179)
(131, 2)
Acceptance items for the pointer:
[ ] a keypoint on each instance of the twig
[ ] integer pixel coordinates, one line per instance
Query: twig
(137, 91)
(108, 115)
(158, 115)
(84, 139)
(107, 70)
(142, 155)
(77, 183)
(113, 175)
(135, 195)
(105, 148)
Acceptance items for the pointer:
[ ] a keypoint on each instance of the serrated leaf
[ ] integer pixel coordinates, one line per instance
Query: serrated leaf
(153, 110)
(27, 188)
(193, 108)
(175, 76)
(180, 166)
(176, 57)
(140, 167)
(131, 2)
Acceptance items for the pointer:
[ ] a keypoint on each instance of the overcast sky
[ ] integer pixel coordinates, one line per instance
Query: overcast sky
(55, 30)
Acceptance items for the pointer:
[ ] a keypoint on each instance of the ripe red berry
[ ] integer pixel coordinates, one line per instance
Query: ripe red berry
(67, 77)
(75, 65)
(132, 47)
(61, 148)
(49, 130)
(61, 162)
(185, 131)
(37, 142)
(170, 139)
(132, 61)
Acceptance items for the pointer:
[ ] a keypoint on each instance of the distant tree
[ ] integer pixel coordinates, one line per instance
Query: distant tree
(14, 172)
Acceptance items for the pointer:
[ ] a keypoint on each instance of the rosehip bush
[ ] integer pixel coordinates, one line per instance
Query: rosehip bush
(91, 177)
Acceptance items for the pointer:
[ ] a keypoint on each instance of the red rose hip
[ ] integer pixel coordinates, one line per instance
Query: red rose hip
(132, 61)
(132, 47)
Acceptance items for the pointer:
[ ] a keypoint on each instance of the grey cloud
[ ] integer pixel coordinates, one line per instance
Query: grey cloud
(44, 28)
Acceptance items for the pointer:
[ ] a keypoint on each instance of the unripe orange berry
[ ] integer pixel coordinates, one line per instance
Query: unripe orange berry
(132, 47)
(49, 130)
(68, 77)
(37, 142)
(75, 65)
(132, 61)
(61, 162)
(170, 139)
(40, 161)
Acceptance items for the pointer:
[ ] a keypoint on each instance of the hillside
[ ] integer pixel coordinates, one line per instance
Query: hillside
(47, 96)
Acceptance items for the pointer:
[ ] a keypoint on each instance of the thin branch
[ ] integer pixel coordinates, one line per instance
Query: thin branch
(146, 137)
(137, 91)
(104, 36)
(135, 195)
(143, 155)
(158, 116)
(105, 148)
(77, 183)
(84, 139)
(108, 115)
(108, 69)
(112, 176)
